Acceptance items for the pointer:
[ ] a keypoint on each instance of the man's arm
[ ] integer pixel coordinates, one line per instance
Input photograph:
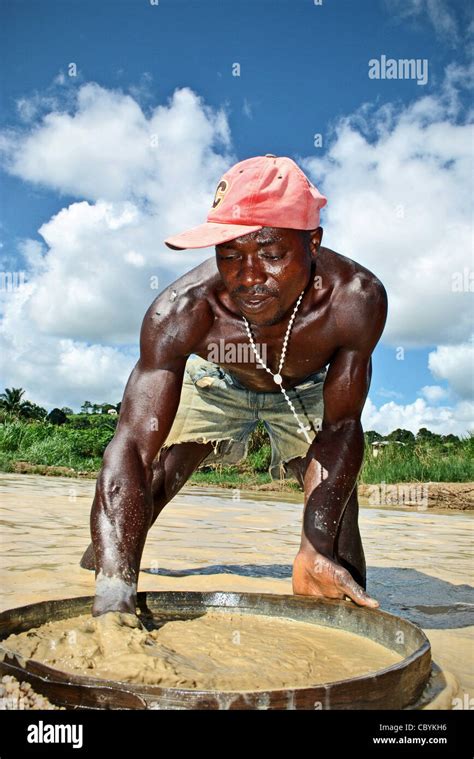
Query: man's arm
(335, 457)
(122, 508)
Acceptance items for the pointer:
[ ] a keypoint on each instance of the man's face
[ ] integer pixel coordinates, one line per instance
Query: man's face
(264, 272)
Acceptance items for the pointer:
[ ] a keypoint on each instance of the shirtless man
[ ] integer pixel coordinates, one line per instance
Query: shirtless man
(264, 224)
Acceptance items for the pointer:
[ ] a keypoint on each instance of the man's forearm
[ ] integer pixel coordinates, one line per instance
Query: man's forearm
(121, 514)
(333, 462)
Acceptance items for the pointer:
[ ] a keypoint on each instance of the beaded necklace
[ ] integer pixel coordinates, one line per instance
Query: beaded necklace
(277, 378)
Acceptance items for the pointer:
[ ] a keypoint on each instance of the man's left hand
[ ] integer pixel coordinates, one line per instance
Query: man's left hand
(316, 575)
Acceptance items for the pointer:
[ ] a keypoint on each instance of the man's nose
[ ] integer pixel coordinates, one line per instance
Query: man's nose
(251, 273)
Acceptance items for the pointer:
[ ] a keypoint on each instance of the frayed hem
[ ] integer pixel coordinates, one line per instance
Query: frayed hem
(226, 450)
(279, 471)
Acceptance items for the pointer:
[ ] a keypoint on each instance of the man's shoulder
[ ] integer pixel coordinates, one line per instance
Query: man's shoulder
(358, 299)
(183, 308)
(192, 288)
(351, 281)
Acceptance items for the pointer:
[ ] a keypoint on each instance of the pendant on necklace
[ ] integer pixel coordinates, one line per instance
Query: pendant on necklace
(278, 379)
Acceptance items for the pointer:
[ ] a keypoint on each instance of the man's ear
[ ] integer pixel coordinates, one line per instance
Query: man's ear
(316, 236)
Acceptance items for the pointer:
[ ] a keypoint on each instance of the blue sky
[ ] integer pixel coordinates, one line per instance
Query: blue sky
(387, 145)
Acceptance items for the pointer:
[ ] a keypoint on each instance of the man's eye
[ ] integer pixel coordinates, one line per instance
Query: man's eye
(270, 257)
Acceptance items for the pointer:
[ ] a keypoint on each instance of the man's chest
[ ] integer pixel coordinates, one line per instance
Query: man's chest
(307, 349)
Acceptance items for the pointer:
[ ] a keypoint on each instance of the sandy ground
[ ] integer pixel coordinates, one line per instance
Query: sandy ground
(419, 562)
(457, 496)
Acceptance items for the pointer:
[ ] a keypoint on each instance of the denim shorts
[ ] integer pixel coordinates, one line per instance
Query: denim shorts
(214, 406)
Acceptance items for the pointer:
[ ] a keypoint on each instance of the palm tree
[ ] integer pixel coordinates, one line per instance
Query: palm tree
(11, 400)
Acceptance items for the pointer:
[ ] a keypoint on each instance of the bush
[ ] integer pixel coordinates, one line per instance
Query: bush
(56, 416)
(90, 442)
(258, 438)
(6, 463)
(81, 443)
(259, 461)
(51, 445)
(420, 462)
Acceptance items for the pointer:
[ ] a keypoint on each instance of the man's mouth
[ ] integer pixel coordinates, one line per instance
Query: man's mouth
(253, 302)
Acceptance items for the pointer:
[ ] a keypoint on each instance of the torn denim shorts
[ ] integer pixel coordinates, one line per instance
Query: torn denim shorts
(216, 407)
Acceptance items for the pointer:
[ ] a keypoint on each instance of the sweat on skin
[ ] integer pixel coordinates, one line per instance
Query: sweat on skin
(258, 275)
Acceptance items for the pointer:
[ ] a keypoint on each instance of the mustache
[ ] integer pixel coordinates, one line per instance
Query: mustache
(258, 290)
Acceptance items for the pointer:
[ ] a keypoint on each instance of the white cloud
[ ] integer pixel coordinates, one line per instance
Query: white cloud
(444, 420)
(107, 148)
(134, 258)
(57, 372)
(89, 284)
(247, 109)
(438, 12)
(397, 203)
(389, 393)
(94, 281)
(91, 368)
(139, 177)
(396, 183)
(433, 393)
(455, 363)
(58, 96)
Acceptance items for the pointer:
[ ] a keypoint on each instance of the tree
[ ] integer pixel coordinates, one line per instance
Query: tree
(371, 436)
(12, 402)
(67, 410)
(451, 438)
(32, 411)
(85, 407)
(401, 436)
(426, 436)
(56, 416)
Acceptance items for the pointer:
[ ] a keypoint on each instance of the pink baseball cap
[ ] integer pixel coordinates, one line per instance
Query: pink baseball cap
(264, 191)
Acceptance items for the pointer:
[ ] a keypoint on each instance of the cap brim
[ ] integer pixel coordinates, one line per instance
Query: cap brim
(209, 234)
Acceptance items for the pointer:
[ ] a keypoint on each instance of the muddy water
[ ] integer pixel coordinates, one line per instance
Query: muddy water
(419, 562)
(221, 651)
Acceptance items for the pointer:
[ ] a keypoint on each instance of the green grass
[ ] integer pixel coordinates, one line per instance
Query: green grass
(81, 443)
(420, 462)
(50, 445)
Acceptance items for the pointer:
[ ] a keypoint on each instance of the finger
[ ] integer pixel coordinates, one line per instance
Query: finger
(130, 620)
(358, 594)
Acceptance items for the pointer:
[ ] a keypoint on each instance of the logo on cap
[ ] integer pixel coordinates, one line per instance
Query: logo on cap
(221, 190)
